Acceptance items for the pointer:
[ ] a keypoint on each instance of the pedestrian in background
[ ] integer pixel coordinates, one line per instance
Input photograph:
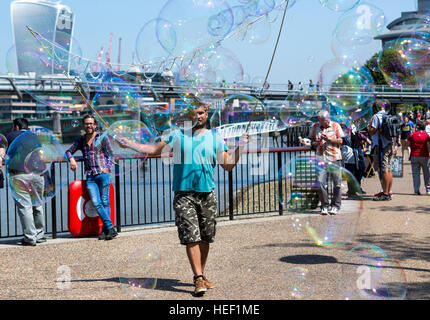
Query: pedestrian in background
(326, 136)
(419, 142)
(29, 187)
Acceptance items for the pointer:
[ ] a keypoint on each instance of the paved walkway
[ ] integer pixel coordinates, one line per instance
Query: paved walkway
(252, 258)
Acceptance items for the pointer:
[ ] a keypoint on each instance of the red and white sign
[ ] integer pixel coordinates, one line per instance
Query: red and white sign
(83, 217)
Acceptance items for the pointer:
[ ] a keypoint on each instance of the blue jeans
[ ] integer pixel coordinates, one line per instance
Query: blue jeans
(98, 189)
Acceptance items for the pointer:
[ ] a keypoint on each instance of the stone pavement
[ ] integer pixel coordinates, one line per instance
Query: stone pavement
(253, 258)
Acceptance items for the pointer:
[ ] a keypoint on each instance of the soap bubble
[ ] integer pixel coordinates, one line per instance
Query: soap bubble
(122, 141)
(200, 25)
(139, 275)
(360, 25)
(404, 62)
(149, 50)
(339, 5)
(368, 273)
(207, 71)
(29, 160)
(300, 195)
(298, 284)
(349, 87)
(238, 108)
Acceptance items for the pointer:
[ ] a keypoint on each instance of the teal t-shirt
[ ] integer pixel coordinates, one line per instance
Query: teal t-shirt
(194, 159)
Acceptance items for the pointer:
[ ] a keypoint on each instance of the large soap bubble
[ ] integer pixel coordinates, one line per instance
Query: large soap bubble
(368, 273)
(29, 160)
(124, 131)
(238, 108)
(203, 23)
(299, 195)
(149, 50)
(360, 25)
(138, 276)
(348, 87)
(339, 5)
(405, 62)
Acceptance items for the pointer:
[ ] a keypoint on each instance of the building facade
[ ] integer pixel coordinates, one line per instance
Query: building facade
(409, 23)
(53, 21)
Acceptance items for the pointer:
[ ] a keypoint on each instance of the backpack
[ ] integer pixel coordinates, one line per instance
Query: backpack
(390, 126)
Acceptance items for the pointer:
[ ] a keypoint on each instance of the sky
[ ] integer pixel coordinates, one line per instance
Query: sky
(304, 46)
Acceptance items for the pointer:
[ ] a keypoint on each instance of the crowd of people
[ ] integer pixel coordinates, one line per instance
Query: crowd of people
(370, 152)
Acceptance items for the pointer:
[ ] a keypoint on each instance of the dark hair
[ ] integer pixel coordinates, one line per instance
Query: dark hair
(381, 104)
(21, 123)
(89, 116)
(420, 125)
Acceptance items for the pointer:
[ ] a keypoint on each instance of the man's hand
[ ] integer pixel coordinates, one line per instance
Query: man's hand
(73, 164)
(244, 139)
(395, 149)
(324, 137)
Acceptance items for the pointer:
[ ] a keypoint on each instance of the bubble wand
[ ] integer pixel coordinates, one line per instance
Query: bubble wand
(37, 36)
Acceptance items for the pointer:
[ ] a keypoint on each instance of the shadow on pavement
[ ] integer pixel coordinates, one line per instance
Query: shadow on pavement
(308, 259)
(162, 284)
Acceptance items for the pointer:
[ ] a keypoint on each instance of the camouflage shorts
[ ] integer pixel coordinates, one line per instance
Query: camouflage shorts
(195, 216)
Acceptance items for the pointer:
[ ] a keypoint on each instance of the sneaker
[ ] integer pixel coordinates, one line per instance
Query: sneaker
(41, 240)
(208, 284)
(383, 197)
(378, 194)
(200, 286)
(324, 211)
(25, 243)
(102, 236)
(381, 193)
(333, 211)
(111, 233)
(417, 193)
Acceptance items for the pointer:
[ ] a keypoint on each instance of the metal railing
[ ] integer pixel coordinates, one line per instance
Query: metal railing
(144, 196)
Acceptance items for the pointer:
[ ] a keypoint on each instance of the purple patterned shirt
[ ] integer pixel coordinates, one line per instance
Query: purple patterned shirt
(95, 158)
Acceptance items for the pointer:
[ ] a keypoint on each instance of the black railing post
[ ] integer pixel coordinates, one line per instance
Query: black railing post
(53, 204)
(230, 194)
(280, 189)
(117, 199)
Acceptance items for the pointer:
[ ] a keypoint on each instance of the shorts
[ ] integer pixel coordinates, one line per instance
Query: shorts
(195, 216)
(387, 158)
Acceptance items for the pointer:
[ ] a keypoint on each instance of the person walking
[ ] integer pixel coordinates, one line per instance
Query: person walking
(28, 186)
(326, 136)
(406, 128)
(196, 152)
(383, 150)
(356, 163)
(419, 142)
(98, 165)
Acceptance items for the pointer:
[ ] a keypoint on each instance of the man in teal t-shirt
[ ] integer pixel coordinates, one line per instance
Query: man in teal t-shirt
(196, 152)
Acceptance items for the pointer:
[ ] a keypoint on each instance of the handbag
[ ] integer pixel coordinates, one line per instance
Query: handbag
(397, 166)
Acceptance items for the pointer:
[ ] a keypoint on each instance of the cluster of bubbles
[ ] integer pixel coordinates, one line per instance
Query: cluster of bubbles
(189, 44)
